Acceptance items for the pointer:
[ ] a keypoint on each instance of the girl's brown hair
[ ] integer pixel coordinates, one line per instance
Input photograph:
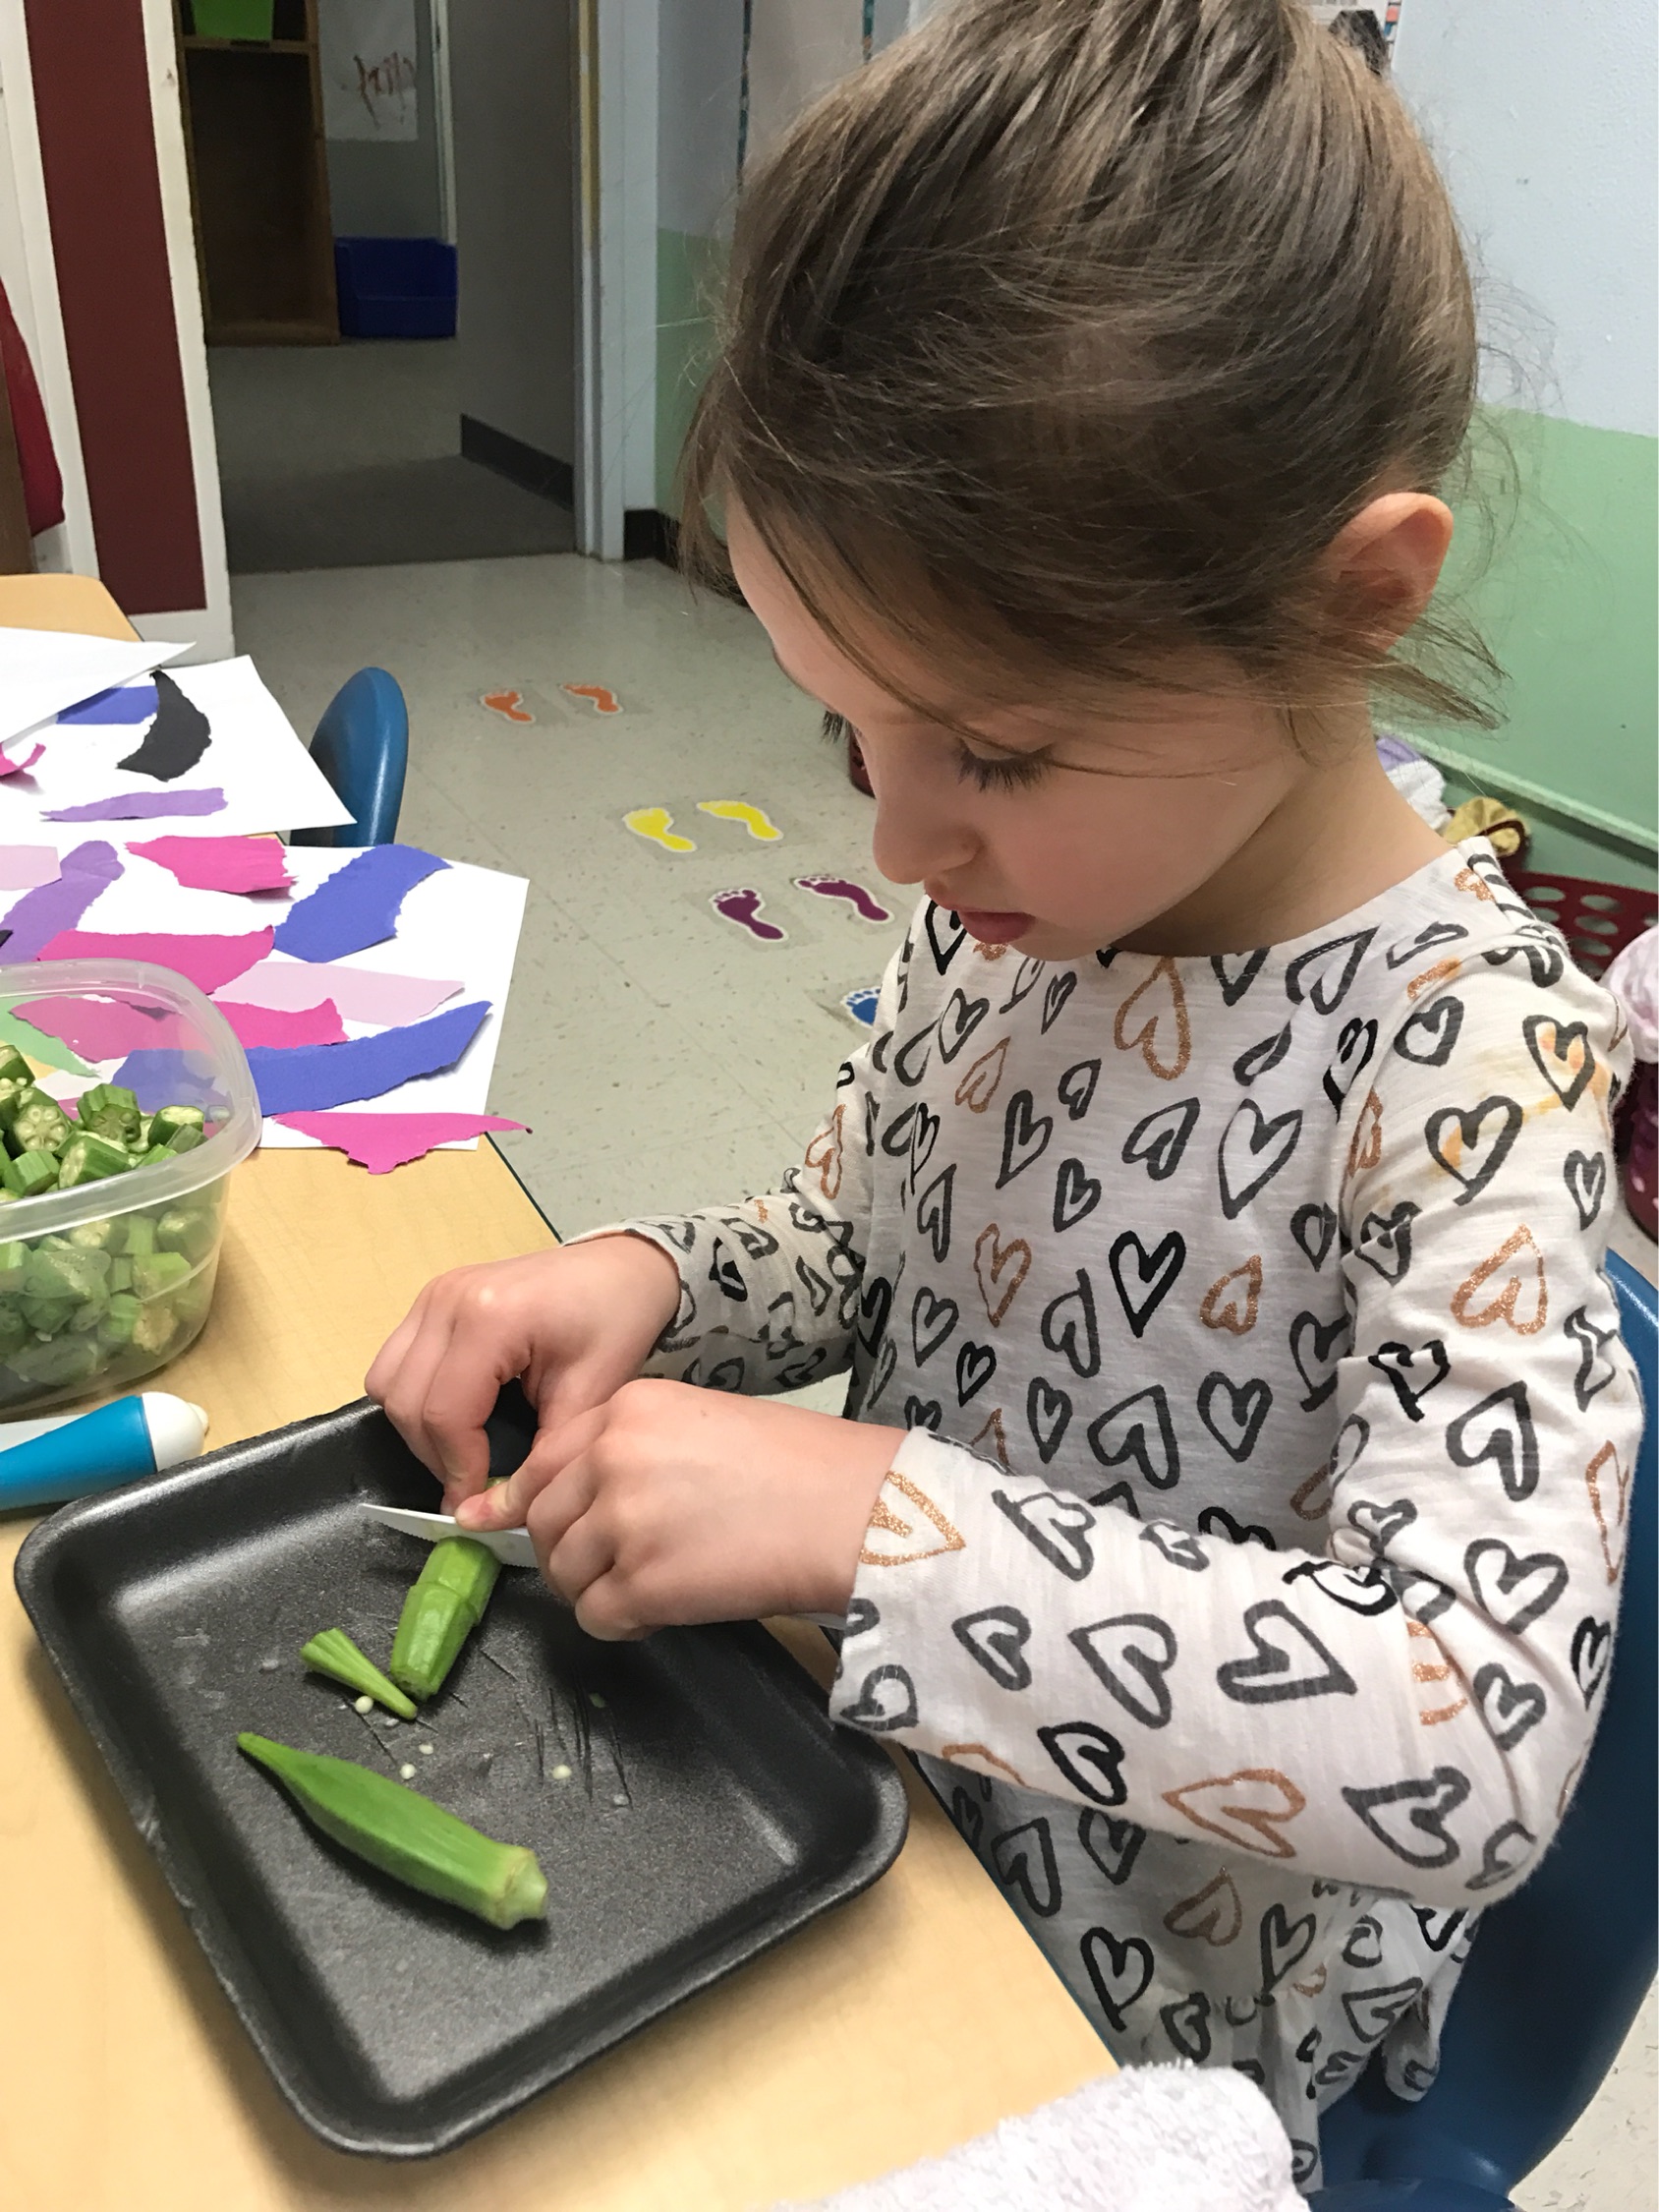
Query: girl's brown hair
(1069, 333)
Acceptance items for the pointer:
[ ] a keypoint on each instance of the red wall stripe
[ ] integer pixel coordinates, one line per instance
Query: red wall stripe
(103, 192)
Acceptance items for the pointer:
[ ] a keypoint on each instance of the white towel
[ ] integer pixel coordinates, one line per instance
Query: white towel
(1148, 2139)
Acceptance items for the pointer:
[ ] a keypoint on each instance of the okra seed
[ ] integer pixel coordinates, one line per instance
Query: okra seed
(364, 1705)
(407, 1771)
(593, 1698)
(425, 1750)
(619, 1798)
(561, 1773)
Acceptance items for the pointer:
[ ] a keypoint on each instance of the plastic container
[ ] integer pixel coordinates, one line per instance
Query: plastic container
(233, 19)
(150, 1218)
(395, 287)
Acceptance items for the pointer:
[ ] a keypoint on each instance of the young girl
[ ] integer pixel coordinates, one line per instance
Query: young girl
(1231, 1504)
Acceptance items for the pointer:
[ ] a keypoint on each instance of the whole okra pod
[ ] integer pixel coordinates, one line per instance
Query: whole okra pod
(443, 1609)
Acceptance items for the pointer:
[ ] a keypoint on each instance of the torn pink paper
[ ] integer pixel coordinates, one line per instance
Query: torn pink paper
(208, 962)
(383, 1141)
(220, 863)
(11, 767)
(26, 868)
(275, 1026)
(360, 993)
(103, 1029)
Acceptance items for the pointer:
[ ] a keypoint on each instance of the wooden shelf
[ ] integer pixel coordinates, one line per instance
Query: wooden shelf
(192, 44)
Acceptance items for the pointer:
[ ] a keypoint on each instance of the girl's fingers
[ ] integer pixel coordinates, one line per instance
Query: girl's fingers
(509, 1504)
(384, 1368)
(405, 1398)
(575, 1549)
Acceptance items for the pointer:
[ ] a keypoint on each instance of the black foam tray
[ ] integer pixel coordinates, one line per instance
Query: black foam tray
(711, 1807)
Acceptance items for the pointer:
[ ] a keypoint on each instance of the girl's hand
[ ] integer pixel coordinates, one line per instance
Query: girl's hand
(672, 1504)
(573, 1325)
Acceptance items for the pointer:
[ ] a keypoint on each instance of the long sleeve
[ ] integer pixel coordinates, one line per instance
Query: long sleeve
(1404, 1699)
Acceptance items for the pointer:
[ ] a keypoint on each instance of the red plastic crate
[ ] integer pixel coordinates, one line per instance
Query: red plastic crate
(1597, 919)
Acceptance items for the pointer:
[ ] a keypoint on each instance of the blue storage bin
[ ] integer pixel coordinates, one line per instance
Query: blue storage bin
(395, 287)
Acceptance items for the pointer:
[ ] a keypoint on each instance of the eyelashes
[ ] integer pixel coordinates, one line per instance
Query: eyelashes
(1011, 772)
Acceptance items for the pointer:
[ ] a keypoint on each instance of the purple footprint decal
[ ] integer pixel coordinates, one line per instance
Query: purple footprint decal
(855, 895)
(744, 907)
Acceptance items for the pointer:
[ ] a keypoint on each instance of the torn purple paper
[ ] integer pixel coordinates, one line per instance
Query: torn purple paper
(361, 994)
(140, 806)
(358, 905)
(208, 962)
(169, 1078)
(44, 913)
(125, 703)
(313, 1078)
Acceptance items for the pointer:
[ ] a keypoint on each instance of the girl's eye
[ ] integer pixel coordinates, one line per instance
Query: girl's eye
(1001, 772)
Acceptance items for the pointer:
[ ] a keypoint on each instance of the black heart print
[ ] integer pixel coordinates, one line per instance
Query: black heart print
(1119, 1971)
(1090, 1757)
(932, 1320)
(879, 1050)
(1077, 1087)
(996, 1638)
(1025, 981)
(1413, 1373)
(1076, 1196)
(1567, 1080)
(1069, 1328)
(1507, 1706)
(814, 1284)
(1499, 1428)
(881, 1375)
(726, 1275)
(1513, 1591)
(1595, 1369)
(1253, 1153)
(1478, 1154)
(1132, 1654)
(1048, 1414)
(728, 1375)
(1585, 1174)
(1336, 2068)
(805, 1369)
(1026, 1136)
(1409, 1817)
(1236, 971)
(962, 1016)
(1113, 1845)
(1144, 1279)
(924, 1135)
(1289, 1661)
(1054, 1523)
(1385, 1241)
(898, 1138)
(1284, 1943)
(1360, 1590)
(862, 1617)
(1140, 1428)
(1317, 1348)
(1379, 1523)
(1120, 1497)
(1160, 1138)
(1371, 2012)
(1187, 2026)
(1060, 988)
(1312, 1226)
(1424, 1597)
(1324, 976)
(1500, 1858)
(1024, 1860)
(1429, 1035)
(976, 1364)
(910, 1061)
(945, 935)
(1437, 933)
(1351, 1439)
(1545, 960)
(1352, 1058)
(1178, 1546)
(1263, 1056)
(968, 1817)
(1364, 1945)
(932, 1212)
(756, 1244)
(887, 1700)
(1215, 1520)
(1234, 1412)
(923, 1413)
(1592, 1648)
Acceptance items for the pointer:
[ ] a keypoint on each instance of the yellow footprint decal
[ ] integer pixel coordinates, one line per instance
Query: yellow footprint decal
(757, 824)
(658, 824)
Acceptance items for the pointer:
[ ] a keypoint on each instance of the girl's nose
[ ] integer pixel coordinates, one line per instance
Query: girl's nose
(918, 832)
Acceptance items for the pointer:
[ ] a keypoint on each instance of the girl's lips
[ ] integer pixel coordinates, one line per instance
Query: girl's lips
(993, 929)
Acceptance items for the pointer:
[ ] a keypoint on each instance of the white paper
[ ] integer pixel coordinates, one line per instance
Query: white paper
(370, 58)
(44, 672)
(255, 757)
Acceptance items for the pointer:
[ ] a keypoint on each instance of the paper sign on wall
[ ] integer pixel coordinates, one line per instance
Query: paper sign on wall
(370, 56)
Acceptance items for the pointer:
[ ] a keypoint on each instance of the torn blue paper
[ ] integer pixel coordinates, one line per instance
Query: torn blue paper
(311, 1079)
(160, 1076)
(125, 703)
(42, 914)
(356, 908)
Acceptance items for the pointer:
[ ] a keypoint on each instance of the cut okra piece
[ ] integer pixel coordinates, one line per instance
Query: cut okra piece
(29, 1174)
(88, 1317)
(14, 1067)
(58, 1361)
(141, 1235)
(14, 1332)
(13, 1264)
(155, 1328)
(47, 1315)
(97, 1235)
(58, 1269)
(38, 1124)
(120, 1318)
(184, 1140)
(441, 1610)
(120, 1275)
(154, 1156)
(332, 1653)
(88, 1158)
(109, 1110)
(182, 1229)
(407, 1835)
(158, 1272)
(169, 1121)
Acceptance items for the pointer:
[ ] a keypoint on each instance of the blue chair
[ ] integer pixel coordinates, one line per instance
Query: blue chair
(361, 746)
(1560, 1969)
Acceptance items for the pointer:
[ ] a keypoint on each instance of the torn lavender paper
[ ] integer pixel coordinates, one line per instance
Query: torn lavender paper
(52, 908)
(170, 1077)
(383, 1141)
(361, 993)
(24, 866)
(208, 962)
(313, 1077)
(357, 906)
(140, 806)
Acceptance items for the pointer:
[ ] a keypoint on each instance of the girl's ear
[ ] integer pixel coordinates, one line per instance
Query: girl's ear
(1386, 562)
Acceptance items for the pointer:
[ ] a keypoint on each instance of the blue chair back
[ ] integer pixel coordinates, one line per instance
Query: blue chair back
(361, 746)
(1558, 1969)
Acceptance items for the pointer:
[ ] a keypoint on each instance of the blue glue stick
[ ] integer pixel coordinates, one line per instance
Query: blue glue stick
(45, 1462)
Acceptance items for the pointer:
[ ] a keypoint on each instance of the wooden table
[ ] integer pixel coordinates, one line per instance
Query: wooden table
(917, 2015)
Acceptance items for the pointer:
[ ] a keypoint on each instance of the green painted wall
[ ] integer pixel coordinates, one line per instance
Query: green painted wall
(688, 271)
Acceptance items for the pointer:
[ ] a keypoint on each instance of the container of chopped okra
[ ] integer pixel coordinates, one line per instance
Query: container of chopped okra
(117, 1139)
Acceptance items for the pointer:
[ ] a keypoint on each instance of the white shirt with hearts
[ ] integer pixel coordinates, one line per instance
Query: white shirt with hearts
(1246, 1579)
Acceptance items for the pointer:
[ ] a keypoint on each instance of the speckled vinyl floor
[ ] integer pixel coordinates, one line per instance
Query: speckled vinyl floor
(664, 1056)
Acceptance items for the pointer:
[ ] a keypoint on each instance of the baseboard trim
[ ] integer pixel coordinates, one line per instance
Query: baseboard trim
(647, 534)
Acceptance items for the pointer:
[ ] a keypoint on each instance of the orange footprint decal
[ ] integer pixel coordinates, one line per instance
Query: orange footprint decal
(508, 704)
(604, 702)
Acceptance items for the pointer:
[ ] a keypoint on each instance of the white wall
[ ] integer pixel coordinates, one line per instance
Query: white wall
(510, 77)
(392, 191)
(1543, 120)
